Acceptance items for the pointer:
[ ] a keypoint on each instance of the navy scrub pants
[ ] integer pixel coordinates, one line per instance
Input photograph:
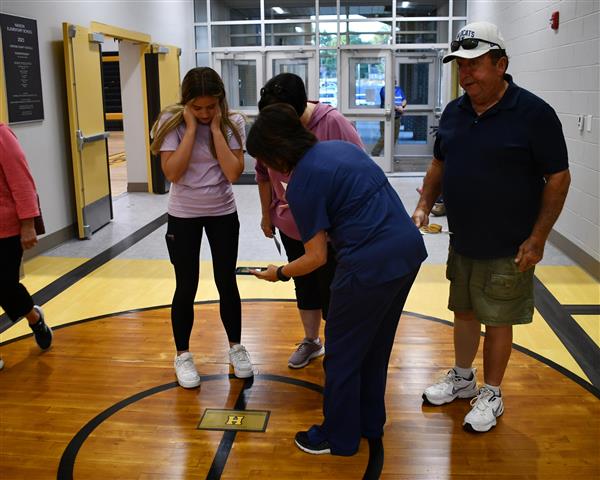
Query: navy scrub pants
(359, 336)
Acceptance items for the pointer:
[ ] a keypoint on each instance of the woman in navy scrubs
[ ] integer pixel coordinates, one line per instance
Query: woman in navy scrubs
(337, 191)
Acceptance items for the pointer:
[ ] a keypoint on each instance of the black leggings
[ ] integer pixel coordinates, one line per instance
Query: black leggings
(14, 297)
(183, 237)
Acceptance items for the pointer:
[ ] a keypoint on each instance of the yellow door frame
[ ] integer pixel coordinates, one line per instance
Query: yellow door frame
(144, 41)
(169, 84)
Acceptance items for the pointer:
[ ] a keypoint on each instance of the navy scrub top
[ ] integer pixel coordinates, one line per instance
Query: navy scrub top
(338, 188)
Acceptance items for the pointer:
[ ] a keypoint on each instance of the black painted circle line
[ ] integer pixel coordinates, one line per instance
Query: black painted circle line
(67, 461)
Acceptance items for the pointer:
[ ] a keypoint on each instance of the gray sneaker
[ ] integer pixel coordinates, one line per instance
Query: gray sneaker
(306, 351)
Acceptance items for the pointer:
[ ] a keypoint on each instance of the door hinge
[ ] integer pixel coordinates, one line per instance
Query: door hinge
(96, 38)
(159, 49)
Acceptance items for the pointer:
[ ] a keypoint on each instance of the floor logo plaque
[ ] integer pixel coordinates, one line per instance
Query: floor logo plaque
(236, 420)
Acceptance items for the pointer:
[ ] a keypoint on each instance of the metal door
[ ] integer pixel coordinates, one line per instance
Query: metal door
(303, 64)
(86, 119)
(366, 74)
(243, 76)
(418, 74)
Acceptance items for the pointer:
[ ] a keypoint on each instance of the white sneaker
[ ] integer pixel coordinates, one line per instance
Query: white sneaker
(487, 407)
(450, 387)
(240, 359)
(187, 375)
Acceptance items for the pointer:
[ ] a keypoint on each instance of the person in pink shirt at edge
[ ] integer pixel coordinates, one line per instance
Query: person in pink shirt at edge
(18, 208)
(200, 143)
(312, 290)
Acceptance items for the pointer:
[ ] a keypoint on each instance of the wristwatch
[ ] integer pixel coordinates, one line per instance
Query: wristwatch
(282, 276)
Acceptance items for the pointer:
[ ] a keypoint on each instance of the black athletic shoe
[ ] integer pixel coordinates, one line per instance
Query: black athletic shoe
(41, 331)
(303, 443)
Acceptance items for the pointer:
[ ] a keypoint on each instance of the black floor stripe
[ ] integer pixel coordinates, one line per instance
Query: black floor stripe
(68, 279)
(246, 179)
(582, 309)
(218, 464)
(581, 347)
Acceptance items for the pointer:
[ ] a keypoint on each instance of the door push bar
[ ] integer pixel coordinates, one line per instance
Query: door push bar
(81, 140)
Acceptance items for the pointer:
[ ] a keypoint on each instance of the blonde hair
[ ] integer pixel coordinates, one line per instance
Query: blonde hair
(198, 82)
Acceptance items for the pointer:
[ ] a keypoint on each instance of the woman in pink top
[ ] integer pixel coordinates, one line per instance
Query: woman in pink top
(312, 290)
(201, 150)
(18, 207)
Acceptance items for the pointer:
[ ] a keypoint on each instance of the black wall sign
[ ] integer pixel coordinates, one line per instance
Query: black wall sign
(22, 69)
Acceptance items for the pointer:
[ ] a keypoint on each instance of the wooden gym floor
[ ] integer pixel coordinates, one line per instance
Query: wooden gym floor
(117, 163)
(102, 403)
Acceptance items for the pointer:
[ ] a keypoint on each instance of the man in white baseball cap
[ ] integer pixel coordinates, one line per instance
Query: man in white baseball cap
(502, 156)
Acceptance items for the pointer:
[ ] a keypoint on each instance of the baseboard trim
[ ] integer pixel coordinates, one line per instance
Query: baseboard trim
(576, 253)
(137, 187)
(50, 241)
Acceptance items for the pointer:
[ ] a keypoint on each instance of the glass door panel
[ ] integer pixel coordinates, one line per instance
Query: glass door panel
(366, 96)
(417, 73)
(243, 76)
(302, 64)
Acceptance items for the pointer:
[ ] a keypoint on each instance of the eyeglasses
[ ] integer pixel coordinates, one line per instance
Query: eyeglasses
(469, 44)
(275, 89)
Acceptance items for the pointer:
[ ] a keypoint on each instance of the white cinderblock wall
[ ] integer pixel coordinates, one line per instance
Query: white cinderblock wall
(563, 68)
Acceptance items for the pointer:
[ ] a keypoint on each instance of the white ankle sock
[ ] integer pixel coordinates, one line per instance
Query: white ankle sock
(465, 373)
(493, 388)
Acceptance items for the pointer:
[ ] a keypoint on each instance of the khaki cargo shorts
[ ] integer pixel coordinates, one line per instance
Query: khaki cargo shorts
(494, 290)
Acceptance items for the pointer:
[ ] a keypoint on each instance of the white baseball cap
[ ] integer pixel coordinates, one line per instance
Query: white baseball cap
(474, 40)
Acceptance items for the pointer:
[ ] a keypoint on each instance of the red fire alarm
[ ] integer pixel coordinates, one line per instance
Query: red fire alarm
(554, 21)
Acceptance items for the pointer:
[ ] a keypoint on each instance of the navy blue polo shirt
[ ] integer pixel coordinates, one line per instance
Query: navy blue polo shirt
(338, 188)
(494, 167)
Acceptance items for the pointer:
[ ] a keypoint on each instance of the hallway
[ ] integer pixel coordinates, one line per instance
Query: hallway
(107, 299)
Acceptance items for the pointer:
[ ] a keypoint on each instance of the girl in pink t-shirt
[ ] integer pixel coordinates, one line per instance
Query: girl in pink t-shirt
(201, 151)
(312, 290)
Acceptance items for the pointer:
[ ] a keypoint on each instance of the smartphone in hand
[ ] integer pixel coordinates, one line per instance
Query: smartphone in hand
(249, 270)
